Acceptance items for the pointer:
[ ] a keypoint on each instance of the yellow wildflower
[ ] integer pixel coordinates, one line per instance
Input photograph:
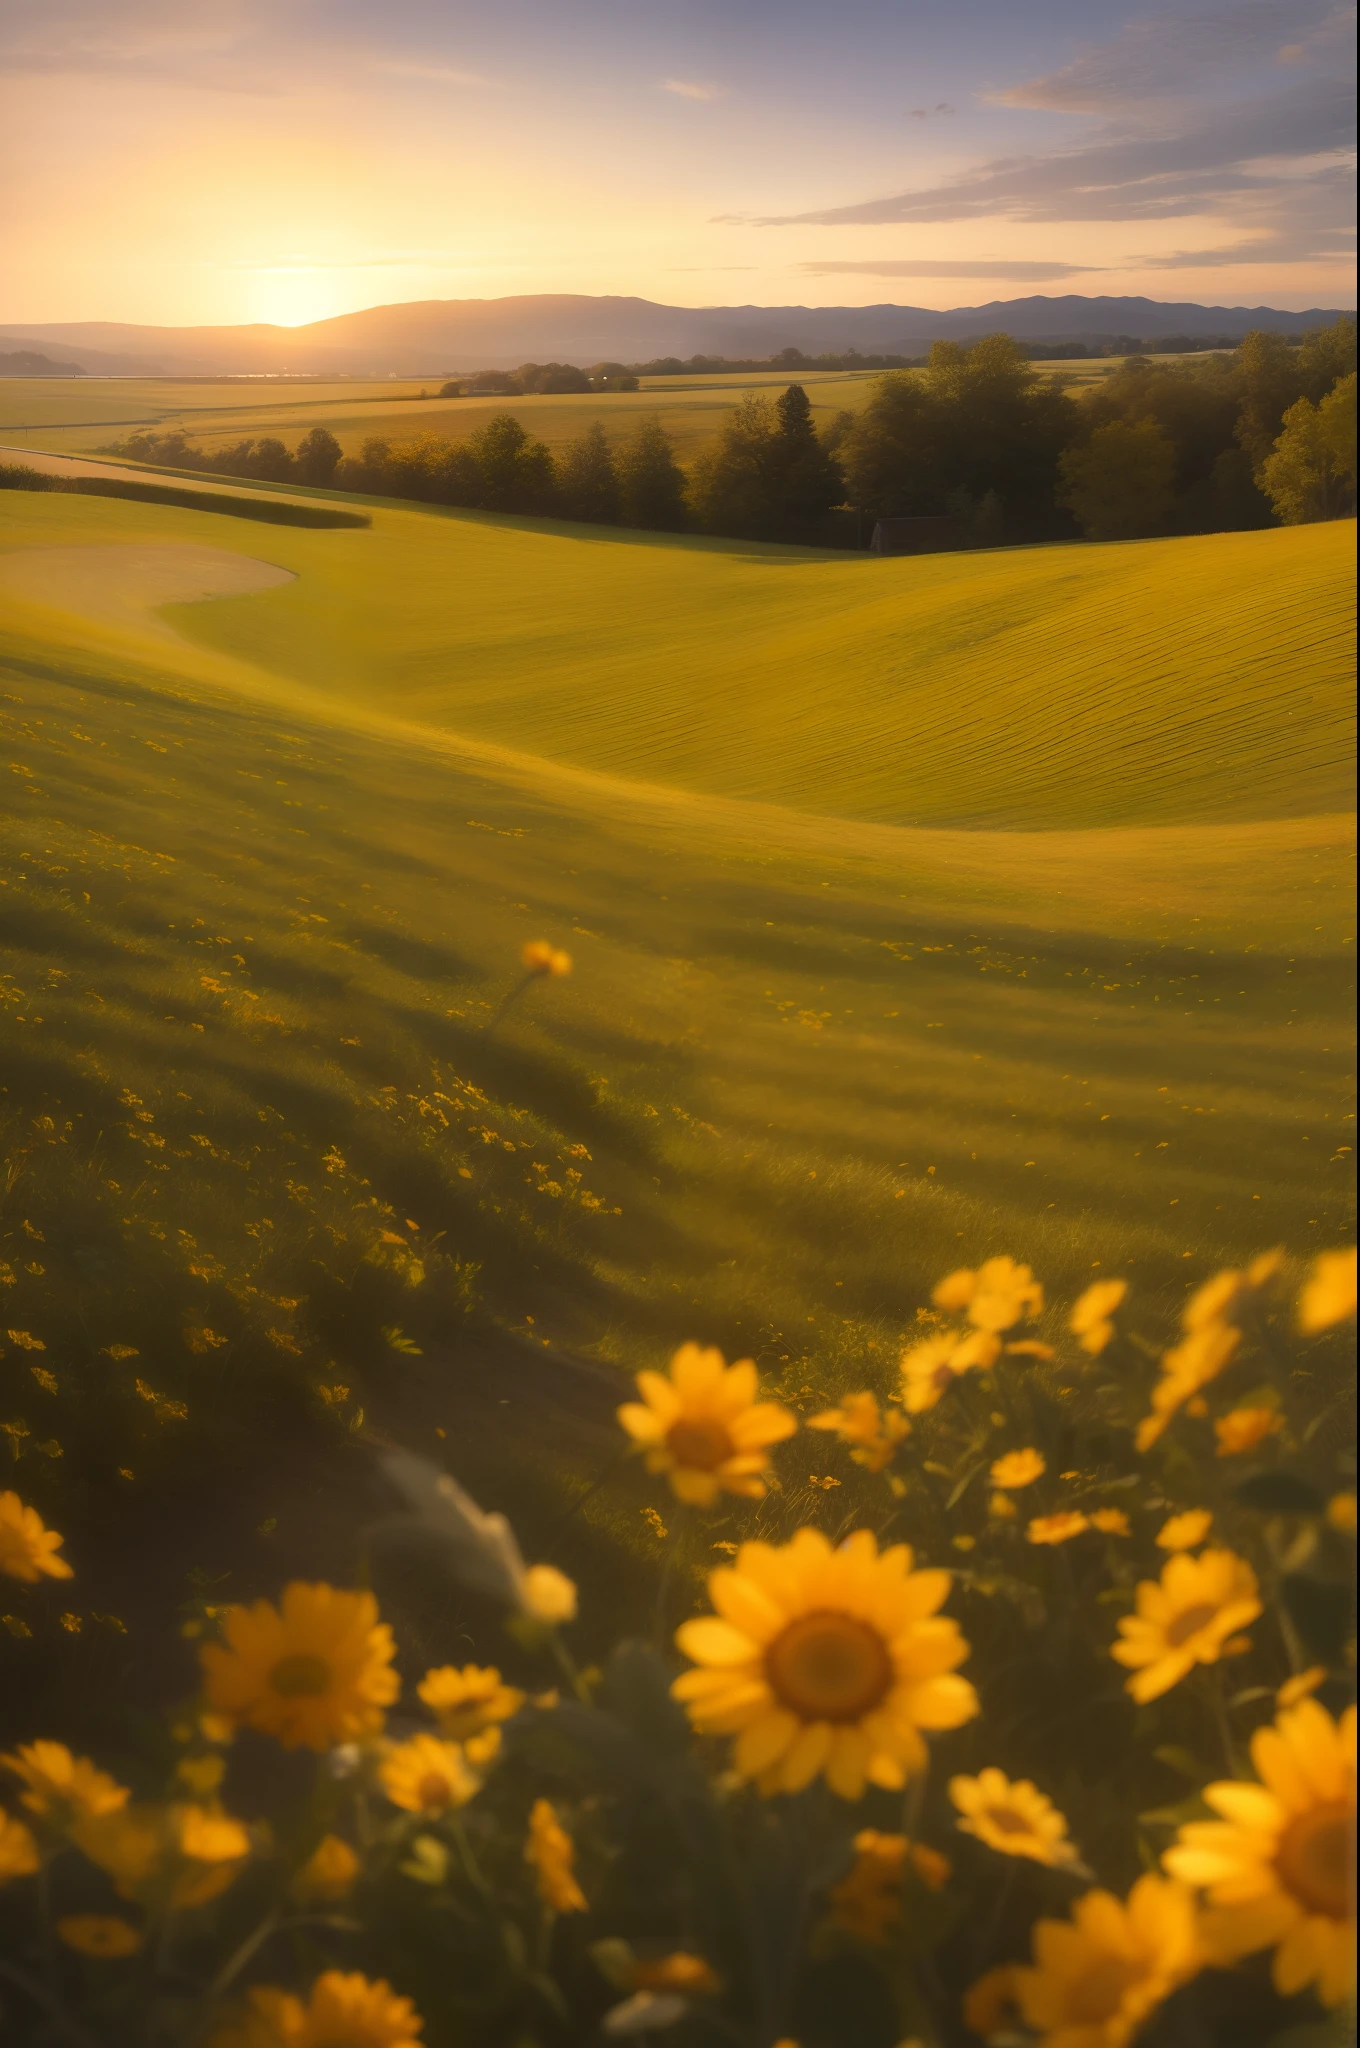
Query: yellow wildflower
(62, 1787)
(314, 1671)
(328, 1873)
(1018, 1468)
(1328, 1294)
(825, 1660)
(1060, 1528)
(101, 1935)
(1276, 1866)
(991, 2006)
(541, 958)
(704, 1426)
(1243, 1428)
(868, 1901)
(1091, 1318)
(1002, 1507)
(1097, 1977)
(997, 1295)
(426, 1775)
(680, 1971)
(1014, 1818)
(547, 1596)
(1185, 1532)
(550, 1850)
(27, 1549)
(1186, 1618)
(874, 1435)
(1110, 1521)
(930, 1368)
(1198, 1358)
(1230, 1294)
(18, 1850)
(1341, 1514)
(1300, 1686)
(469, 1700)
(342, 2012)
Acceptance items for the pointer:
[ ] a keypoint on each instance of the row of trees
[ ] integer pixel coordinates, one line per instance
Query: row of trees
(979, 437)
(543, 377)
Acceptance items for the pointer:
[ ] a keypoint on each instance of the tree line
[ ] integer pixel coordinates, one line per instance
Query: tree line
(979, 439)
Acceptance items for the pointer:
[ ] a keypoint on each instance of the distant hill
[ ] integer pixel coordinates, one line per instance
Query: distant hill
(435, 335)
(25, 362)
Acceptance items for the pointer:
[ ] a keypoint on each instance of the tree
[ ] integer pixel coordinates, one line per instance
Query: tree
(1269, 379)
(1310, 473)
(734, 484)
(1120, 483)
(317, 456)
(587, 482)
(516, 473)
(806, 480)
(270, 461)
(893, 454)
(1326, 356)
(651, 482)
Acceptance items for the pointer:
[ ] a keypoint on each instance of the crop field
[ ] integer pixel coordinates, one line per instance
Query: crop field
(885, 989)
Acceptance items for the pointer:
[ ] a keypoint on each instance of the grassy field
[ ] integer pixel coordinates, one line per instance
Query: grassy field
(76, 416)
(268, 862)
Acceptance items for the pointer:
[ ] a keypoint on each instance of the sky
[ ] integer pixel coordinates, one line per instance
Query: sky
(180, 163)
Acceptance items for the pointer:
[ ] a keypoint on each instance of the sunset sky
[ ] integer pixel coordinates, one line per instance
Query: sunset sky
(177, 162)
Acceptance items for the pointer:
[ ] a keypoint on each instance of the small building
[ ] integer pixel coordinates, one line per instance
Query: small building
(928, 536)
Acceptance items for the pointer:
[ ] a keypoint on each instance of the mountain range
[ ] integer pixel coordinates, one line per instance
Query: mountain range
(437, 336)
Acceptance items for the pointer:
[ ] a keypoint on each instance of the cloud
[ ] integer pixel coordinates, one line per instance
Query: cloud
(1015, 272)
(1166, 55)
(436, 74)
(930, 113)
(693, 89)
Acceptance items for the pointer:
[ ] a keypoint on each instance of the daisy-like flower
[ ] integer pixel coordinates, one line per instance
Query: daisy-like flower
(991, 2006)
(1091, 1321)
(1230, 1294)
(314, 1671)
(469, 1701)
(1198, 1358)
(28, 1551)
(104, 1936)
(328, 1873)
(1186, 1618)
(929, 1369)
(1097, 1977)
(341, 2012)
(1185, 1532)
(1012, 1816)
(1018, 1468)
(1276, 1867)
(426, 1775)
(1059, 1528)
(1110, 1521)
(704, 1427)
(995, 1296)
(1341, 1514)
(61, 1787)
(547, 1596)
(541, 958)
(823, 1660)
(679, 1971)
(186, 1854)
(868, 1900)
(18, 1850)
(552, 1854)
(1300, 1686)
(1328, 1294)
(873, 1434)
(1243, 1428)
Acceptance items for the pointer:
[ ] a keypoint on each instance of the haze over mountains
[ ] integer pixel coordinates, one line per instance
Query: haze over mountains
(435, 335)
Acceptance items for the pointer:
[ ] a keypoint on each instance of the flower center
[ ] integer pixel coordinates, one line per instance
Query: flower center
(1189, 1622)
(828, 1667)
(1313, 1858)
(1008, 1820)
(699, 1442)
(297, 1677)
(1099, 1994)
(941, 1377)
(434, 1789)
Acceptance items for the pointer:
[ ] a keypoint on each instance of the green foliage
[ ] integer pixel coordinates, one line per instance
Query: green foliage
(1310, 473)
(651, 482)
(587, 480)
(1120, 484)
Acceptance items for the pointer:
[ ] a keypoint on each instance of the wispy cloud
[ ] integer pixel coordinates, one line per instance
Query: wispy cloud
(433, 74)
(1017, 272)
(930, 113)
(694, 89)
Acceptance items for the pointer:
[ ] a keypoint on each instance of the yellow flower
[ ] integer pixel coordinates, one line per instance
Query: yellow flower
(342, 2012)
(467, 1701)
(18, 1850)
(314, 1671)
(198, 1850)
(1328, 1294)
(1185, 1619)
(541, 958)
(704, 1426)
(27, 1549)
(1243, 1428)
(1090, 1321)
(63, 1787)
(1228, 1296)
(999, 1294)
(1002, 1507)
(1300, 1686)
(868, 1901)
(1013, 1817)
(1341, 1514)
(547, 1595)
(550, 1850)
(1059, 1528)
(1187, 1531)
(991, 2005)
(1190, 1365)
(426, 1775)
(680, 1971)
(1276, 1867)
(858, 1422)
(1018, 1468)
(103, 1936)
(1098, 1976)
(823, 1660)
(327, 1874)
(1111, 1521)
(929, 1369)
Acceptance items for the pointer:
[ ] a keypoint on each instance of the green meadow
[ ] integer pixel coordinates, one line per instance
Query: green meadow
(919, 909)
